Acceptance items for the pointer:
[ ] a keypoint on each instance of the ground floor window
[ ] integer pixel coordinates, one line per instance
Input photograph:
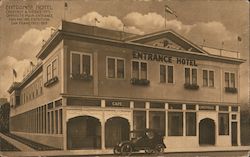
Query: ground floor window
(157, 121)
(223, 124)
(175, 123)
(139, 118)
(190, 123)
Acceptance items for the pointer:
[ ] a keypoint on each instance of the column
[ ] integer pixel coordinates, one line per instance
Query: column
(197, 121)
(216, 125)
(166, 119)
(132, 115)
(103, 131)
(147, 114)
(184, 119)
(64, 127)
(238, 127)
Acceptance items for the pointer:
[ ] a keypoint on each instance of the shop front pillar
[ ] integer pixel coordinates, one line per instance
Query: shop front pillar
(147, 114)
(103, 134)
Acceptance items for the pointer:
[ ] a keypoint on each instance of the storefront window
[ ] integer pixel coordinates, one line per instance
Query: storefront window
(190, 123)
(157, 121)
(223, 124)
(139, 118)
(175, 123)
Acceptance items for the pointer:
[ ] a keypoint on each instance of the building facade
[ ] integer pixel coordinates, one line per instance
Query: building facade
(93, 85)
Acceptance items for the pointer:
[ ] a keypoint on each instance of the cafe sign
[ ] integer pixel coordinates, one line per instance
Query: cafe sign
(117, 103)
(163, 58)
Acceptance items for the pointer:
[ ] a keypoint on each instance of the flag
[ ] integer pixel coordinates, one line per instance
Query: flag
(168, 10)
(32, 64)
(14, 73)
(96, 20)
(239, 39)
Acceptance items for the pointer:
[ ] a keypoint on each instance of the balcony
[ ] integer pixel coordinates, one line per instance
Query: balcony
(140, 82)
(191, 86)
(232, 90)
(84, 77)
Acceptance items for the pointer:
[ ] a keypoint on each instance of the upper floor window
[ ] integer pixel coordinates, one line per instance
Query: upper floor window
(190, 75)
(139, 70)
(115, 67)
(54, 68)
(208, 78)
(81, 63)
(166, 74)
(229, 79)
(49, 76)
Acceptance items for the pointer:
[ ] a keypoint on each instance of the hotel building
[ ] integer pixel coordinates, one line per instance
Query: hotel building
(93, 85)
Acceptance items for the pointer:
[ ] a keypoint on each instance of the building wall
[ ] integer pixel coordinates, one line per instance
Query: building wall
(123, 88)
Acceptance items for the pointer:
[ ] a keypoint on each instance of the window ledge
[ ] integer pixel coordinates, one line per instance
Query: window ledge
(84, 77)
(51, 82)
(140, 82)
(191, 86)
(232, 90)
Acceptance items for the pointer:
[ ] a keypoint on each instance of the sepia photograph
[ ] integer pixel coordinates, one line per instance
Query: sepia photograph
(165, 78)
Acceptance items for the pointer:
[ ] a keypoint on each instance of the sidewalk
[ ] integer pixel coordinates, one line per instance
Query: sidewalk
(17, 144)
(109, 151)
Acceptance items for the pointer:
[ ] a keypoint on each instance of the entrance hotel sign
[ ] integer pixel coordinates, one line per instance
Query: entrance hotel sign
(163, 58)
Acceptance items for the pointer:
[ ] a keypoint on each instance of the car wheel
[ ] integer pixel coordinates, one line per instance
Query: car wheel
(126, 149)
(159, 148)
(116, 150)
(149, 151)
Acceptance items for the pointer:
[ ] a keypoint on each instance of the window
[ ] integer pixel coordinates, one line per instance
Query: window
(81, 63)
(234, 108)
(166, 74)
(223, 124)
(54, 68)
(139, 118)
(157, 121)
(190, 76)
(49, 76)
(115, 68)
(139, 70)
(190, 123)
(75, 64)
(175, 123)
(230, 79)
(86, 64)
(208, 78)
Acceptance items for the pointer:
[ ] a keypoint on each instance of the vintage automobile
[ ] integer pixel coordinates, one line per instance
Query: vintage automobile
(148, 140)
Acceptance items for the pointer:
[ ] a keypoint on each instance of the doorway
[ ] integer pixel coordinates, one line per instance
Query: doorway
(207, 132)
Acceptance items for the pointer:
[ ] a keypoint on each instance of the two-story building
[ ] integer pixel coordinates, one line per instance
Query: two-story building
(94, 85)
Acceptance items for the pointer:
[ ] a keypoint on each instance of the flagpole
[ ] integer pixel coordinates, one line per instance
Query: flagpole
(165, 17)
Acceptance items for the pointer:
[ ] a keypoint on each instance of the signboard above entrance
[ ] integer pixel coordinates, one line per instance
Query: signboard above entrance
(163, 58)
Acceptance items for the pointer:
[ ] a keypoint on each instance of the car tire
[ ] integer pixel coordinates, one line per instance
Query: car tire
(126, 149)
(159, 148)
(116, 150)
(149, 151)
